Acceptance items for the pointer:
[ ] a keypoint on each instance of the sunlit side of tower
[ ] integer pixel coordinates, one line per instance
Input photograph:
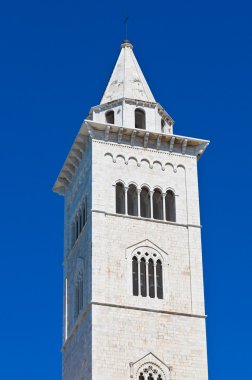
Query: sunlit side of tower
(133, 280)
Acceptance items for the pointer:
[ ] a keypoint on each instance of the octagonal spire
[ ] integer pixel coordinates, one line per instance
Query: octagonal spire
(127, 79)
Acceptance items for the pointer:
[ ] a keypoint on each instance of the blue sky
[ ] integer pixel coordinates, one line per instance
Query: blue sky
(56, 58)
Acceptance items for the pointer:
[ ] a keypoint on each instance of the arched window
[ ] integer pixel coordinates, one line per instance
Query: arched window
(135, 276)
(143, 277)
(79, 294)
(170, 206)
(150, 377)
(157, 204)
(159, 279)
(145, 203)
(162, 125)
(110, 117)
(132, 200)
(141, 376)
(140, 119)
(120, 198)
(151, 278)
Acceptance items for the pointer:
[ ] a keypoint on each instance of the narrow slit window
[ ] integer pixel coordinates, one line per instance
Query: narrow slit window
(83, 214)
(110, 117)
(79, 294)
(151, 278)
(76, 228)
(120, 198)
(135, 276)
(143, 277)
(159, 279)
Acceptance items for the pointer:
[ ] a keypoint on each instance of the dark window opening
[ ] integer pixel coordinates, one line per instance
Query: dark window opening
(162, 125)
(159, 277)
(140, 119)
(135, 276)
(157, 205)
(145, 203)
(143, 277)
(110, 117)
(170, 206)
(132, 200)
(151, 278)
(120, 198)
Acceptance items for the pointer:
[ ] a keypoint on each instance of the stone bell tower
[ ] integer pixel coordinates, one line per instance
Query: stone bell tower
(133, 281)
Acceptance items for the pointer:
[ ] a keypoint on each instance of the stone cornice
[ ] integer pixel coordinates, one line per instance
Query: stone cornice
(140, 218)
(94, 303)
(103, 132)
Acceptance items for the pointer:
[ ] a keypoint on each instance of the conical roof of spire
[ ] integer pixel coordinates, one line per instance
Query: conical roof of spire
(127, 79)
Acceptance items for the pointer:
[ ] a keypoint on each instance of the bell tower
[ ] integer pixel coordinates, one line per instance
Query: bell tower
(133, 280)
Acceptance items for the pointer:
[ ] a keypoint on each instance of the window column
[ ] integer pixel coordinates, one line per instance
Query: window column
(164, 208)
(126, 200)
(155, 279)
(147, 279)
(138, 201)
(139, 276)
(151, 204)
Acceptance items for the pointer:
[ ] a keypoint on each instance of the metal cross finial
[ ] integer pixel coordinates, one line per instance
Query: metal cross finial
(126, 27)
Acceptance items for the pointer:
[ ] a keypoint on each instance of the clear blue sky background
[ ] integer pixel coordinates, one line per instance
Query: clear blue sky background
(55, 60)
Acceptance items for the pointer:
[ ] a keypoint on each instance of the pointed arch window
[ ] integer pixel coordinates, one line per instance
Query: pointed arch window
(170, 207)
(143, 277)
(141, 376)
(157, 205)
(120, 198)
(135, 276)
(110, 117)
(140, 122)
(132, 195)
(159, 279)
(145, 203)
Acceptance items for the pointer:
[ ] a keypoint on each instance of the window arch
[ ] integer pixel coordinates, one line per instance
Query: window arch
(140, 122)
(135, 276)
(157, 204)
(120, 198)
(110, 117)
(170, 207)
(145, 203)
(132, 195)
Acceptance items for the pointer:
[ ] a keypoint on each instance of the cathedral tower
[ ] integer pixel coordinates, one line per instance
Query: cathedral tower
(133, 281)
